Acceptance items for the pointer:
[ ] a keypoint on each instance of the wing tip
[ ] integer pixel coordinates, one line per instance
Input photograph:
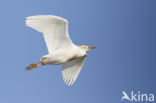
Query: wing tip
(69, 83)
(41, 16)
(68, 80)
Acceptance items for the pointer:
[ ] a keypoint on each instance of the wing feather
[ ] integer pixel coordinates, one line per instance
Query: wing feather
(71, 70)
(54, 29)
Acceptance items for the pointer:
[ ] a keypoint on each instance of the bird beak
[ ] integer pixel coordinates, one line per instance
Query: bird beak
(89, 48)
(35, 65)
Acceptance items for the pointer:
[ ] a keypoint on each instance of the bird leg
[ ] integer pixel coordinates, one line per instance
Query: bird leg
(35, 65)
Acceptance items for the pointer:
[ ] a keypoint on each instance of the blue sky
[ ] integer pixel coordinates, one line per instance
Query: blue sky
(122, 30)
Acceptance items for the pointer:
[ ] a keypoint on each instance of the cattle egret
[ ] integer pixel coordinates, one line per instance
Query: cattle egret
(60, 47)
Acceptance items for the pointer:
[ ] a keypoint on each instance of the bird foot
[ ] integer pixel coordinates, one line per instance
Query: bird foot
(32, 66)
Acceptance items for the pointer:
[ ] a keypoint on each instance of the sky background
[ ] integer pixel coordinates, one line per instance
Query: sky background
(124, 32)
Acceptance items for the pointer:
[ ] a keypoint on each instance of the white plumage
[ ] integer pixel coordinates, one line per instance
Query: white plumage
(60, 47)
(55, 30)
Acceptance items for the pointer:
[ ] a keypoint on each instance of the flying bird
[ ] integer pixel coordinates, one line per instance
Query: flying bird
(60, 47)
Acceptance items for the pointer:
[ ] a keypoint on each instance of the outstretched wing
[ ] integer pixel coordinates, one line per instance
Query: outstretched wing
(71, 70)
(54, 29)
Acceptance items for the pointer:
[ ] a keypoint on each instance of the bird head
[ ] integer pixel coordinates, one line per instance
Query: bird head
(87, 47)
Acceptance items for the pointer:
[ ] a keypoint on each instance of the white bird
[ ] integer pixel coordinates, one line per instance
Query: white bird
(60, 47)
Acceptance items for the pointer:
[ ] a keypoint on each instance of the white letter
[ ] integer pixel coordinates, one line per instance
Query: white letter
(138, 96)
(133, 97)
(151, 98)
(142, 97)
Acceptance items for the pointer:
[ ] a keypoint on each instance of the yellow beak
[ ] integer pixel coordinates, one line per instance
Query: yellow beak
(89, 48)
